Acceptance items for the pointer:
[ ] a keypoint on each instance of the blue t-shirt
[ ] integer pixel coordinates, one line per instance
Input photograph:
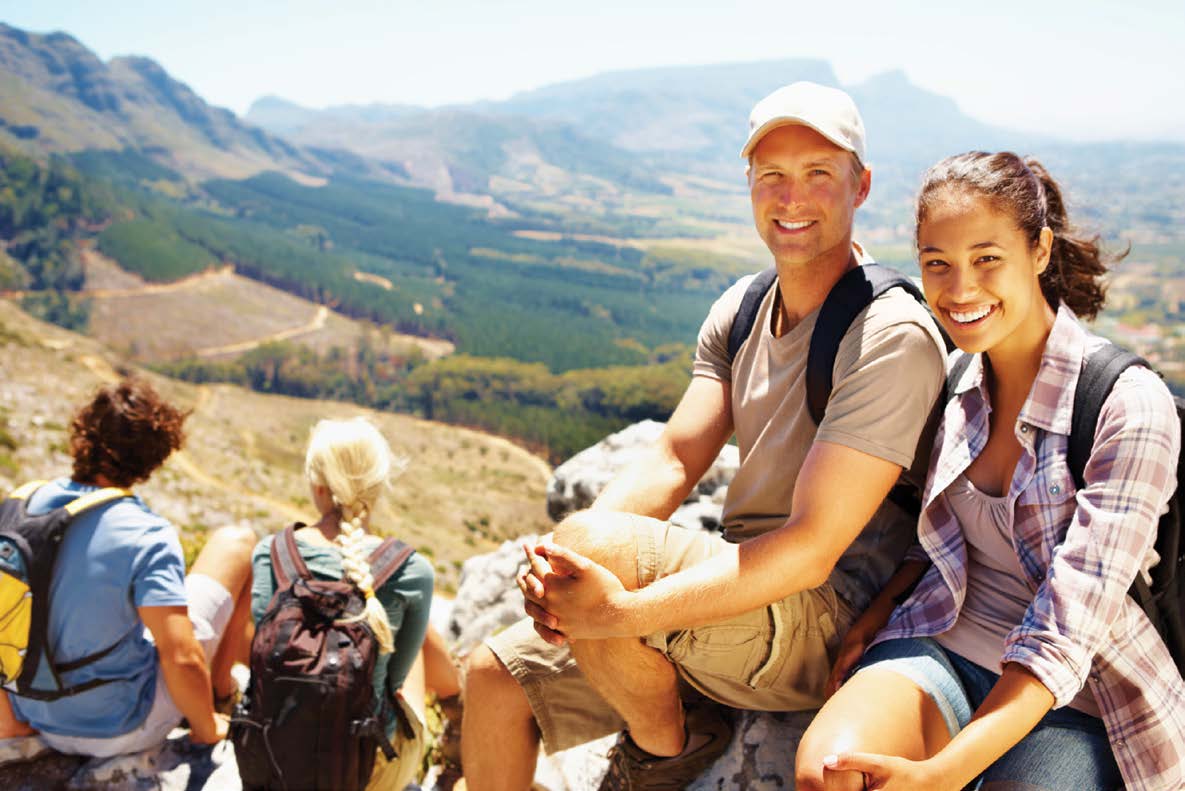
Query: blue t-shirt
(114, 558)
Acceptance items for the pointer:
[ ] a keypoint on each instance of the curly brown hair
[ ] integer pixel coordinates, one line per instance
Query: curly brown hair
(124, 433)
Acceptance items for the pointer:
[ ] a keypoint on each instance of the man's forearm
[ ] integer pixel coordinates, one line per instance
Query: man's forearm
(743, 577)
(188, 681)
(653, 485)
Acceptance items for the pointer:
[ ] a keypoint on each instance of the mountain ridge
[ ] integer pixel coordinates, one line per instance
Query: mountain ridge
(57, 96)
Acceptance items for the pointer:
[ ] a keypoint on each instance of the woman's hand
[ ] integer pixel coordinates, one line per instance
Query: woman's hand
(888, 773)
(855, 643)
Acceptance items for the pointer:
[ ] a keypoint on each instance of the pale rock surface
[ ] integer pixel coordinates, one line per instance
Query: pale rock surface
(578, 481)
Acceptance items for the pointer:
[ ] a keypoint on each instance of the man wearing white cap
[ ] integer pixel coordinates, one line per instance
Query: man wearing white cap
(637, 621)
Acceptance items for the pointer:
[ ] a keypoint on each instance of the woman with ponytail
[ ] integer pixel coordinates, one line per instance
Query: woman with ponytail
(1014, 658)
(349, 466)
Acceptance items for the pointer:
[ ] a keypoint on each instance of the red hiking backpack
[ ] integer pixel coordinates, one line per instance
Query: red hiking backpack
(308, 719)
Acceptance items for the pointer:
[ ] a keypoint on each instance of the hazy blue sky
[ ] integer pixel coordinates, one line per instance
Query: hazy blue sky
(1079, 69)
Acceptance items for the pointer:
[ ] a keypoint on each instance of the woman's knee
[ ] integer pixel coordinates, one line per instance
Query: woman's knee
(226, 556)
(235, 540)
(809, 774)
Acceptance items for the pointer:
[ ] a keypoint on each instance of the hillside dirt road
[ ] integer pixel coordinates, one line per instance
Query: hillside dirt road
(314, 324)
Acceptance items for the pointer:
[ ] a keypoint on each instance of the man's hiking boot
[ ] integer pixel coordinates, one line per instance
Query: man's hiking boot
(633, 769)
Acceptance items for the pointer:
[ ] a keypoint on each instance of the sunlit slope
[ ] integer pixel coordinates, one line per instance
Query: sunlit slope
(216, 314)
(462, 491)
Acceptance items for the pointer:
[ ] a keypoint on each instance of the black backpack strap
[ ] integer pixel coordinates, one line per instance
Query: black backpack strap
(1099, 374)
(742, 323)
(388, 558)
(854, 292)
(40, 574)
(958, 368)
(287, 564)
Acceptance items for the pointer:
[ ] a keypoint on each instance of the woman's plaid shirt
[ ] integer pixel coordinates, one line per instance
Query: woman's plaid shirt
(1080, 550)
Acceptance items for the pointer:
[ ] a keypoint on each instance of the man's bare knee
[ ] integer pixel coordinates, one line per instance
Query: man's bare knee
(488, 682)
(606, 538)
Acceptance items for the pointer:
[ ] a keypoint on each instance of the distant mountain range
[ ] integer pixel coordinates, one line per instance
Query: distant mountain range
(692, 118)
(683, 121)
(657, 142)
(58, 96)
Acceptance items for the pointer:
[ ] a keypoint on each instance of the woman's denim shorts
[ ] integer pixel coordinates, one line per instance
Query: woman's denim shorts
(1066, 751)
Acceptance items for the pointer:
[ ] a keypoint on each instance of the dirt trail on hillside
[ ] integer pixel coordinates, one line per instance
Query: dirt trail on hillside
(314, 324)
(183, 461)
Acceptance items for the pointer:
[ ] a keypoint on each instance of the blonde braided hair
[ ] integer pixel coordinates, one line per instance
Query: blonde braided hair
(353, 460)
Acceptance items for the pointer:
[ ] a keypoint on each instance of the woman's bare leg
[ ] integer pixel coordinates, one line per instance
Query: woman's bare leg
(440, 672)
(226, 558)
(876, 711)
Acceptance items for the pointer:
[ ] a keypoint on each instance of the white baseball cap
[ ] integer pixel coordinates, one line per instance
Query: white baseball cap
(829, 111)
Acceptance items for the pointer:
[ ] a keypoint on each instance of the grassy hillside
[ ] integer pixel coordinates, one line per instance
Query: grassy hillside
(243, 458)
(218, 315)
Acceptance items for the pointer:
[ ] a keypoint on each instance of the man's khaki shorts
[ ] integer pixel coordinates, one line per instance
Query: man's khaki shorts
(776, 658)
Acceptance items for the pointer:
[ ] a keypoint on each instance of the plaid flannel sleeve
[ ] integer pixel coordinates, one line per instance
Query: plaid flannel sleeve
(1128, 480)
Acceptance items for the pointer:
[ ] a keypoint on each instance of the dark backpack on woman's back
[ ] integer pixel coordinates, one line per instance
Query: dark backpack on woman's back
(308, 719)
(1163, 598)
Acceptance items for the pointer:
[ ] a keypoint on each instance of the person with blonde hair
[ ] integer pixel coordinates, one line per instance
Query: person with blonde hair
(349, 466)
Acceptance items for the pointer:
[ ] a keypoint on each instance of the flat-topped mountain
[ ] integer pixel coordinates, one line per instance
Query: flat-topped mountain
(690, 117)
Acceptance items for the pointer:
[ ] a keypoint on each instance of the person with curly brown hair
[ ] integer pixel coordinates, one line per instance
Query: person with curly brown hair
(120, 586)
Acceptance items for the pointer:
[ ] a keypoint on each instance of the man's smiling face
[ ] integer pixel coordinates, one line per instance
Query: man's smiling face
(804, 194)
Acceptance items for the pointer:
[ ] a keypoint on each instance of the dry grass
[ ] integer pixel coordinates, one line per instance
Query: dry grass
(462, 493)
(218, 315)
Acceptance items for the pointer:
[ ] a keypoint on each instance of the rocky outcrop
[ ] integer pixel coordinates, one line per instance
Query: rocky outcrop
(577, 482)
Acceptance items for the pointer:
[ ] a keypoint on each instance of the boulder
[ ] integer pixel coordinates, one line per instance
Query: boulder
(488, 600)
(177, 765)
(578, 481)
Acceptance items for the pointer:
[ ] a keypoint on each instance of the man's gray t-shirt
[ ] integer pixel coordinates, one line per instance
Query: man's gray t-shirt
(888, 373)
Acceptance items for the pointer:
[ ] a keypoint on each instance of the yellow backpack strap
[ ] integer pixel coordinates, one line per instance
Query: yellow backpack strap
(23, 492)
(93, 499)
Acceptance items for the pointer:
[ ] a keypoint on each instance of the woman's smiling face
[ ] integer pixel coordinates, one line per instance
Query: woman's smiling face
(980, 273)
